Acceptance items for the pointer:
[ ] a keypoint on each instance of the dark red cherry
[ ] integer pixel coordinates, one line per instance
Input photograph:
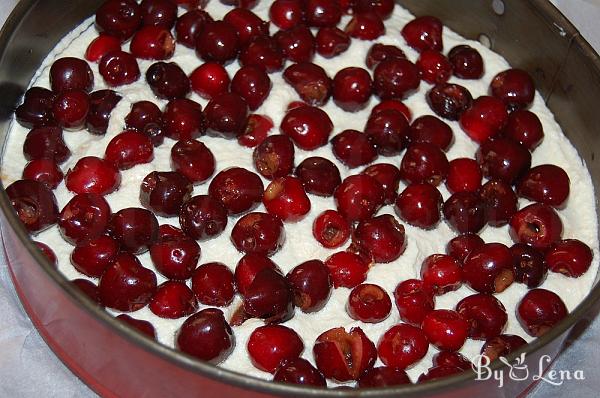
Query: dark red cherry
(537, 225)
(168, 80)
(402, 346)
(270, 346)
(331, 229)
(347, 269)
(353, 148)
(434, 67)
(502, 346)
(213, 284)
(274, 157)
(119, 68)
(93, 256)
(263, 52)
(172, 300)
(218, 42)
(36, 109)
(382, 237)
(424, 162)
(449, 101)
(446, 329)
(419, 205)
(368, 303)
(540, 310)
(485, 314)
(431, 130)
(34, 204)
(89, 289)
(226, 115)
(260, 233)
(126, 285)
(297, 44)
(299, 371)
(319, 176)
(395, 105)
(466, 62)
(310, 81)
(285, 198)
(239, 3)
(309, 127)
(45, 171)
(101, 45)
(381, 52)
(152, 42)
(189, 26)
(253, 84)
(514, 87)
(388, 130)
(93, 175)
(102, 103)
(142, 114)
(465, 212)
(319, 13)
(395, 78)
(438, 372)
(383, 376)
(388, 176)
(193, 159)
(524, 127)
(547, 183)
(424, 33)
(247, 24)
(238, 189)
(359, 197)
(175, 258)
(165, 192)
(48, 253)
(414, 300)
(286, 14)
(207, 336)
(119, 18)
(269, 297)
(85, 217)
(452, 358)
(311, 285)
(570, 257)
(331, 42)
(383, 8)
(135, 229)
(183, 119)
(503, 159)
(247, 269)
(489, 268)
(464, 175)
(352, 88)
(367, 25)
(530, 265)
(128, 149)
(441, 273)
(161, 13)
(203, 217)
(344, 356)
(71, 108)
(168, 232)
(144, 327)
(461, 246)
(499, 201)
(71, 73)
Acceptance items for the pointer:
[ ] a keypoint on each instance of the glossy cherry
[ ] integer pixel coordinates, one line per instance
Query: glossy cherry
(45, 171)
(247, 24)
(209, 79)
(465, 212)
(71, 108)
(353, 148)
(489, 268)
(499, 201)
(102, 103)
(515, 87)
(34, 204)
(383, 376)
(461, 246)
(263, 52)
(310, 81)
(352, 88)
(449, 101)
(423, 162)
(93, 175)
(452, 358)
(441, 273)
(161, 13)
(299, 371)
(286, 14)
(175, 258)
(388, 176)
(101, 45)
(464, 175)
(381, 52)
(331, 42)
(414, 300)
(193, 160)
(218, 42)
(382, 237)
(257, 129)
(36, 109)
(226, 115)
(238, 189)
(570, 257)
(309, 127)
(165, 192)
(144, 327)
(540, 310)
(189, 26)
(269, 297)
(134, 228)
(503, 159)
(395, 78)
(119, 18)
(368, 303)
(530, 265)
(485, 314)
(260, 233)
(359, 197)
(434, 67)
(319, 176)
(311, 285)
(168, 80)
(446, 329)
(365, 25)
(69, 73)
(253, 84)
(93, 256)
(430, 129)
(547, 183)
(402, 346)
(388, 130)
(274, 157)
(119, 68)
(347, 269)
(424, 33)
(203, 217)
(85, 217)
(524, 127)
(152, 42)
(419, 205)
(466, 62)
(537, 225)
(48, 253)
(270, 346)
(172, 300)
(319, 13)
(128, 149)
(207, 336)
(297, 44)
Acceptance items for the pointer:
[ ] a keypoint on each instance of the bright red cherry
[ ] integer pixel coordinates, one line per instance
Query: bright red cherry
(311, 285)
(45, 171)
(547, 183)
(414, 300)
(270, 346)
(126, 285)
(347, 269)
(540, 310)
(524, 127)
(368, 303)
(299, 371)
(441, 273)
(34, 204)
(128, 149)
(367, 25)
(530, 265)
(352, 88)
(319, 176)
(209, 79)
(537, 225)
(464, 175)
(152, 42)
(466, 62)
(165, 192)
(213, 284)
(218, 42)
(382, 237)
(419, 205)
(402, 346)
(257, 129)
(424, 33)
(274, 157)
(310, 81)
(93, 175)
(247, 269)
(259, 233)
(119, 18)
(514, 87)
(570, 257)
(71, 109)
(119, 68)
(485, 314)
(465, 212)
(395, 78)
(93, 256)
(238, 189)
(484, 119)
(172, 300)
(359, 197)
(461, 246)
(175, 258)
(101, 45)
(135, 229)
(424, 162)
(193, 159)
(353, 148)
(308, 127)
(285, 198)
(203, 217)
(85, 217)
(434, 67)
(331, 229)
(489, 268)
(207, 336)
(446, 329)
(344, 356)
(449, 101)
(331, 42)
